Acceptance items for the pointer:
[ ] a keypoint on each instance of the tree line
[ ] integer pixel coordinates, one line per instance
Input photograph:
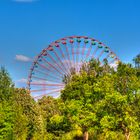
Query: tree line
(98, 103)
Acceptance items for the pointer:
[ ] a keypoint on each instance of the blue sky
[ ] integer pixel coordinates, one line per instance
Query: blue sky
(28, 26)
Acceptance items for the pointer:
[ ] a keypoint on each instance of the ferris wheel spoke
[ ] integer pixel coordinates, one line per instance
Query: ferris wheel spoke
(88, 52)
(93, 55)
(47, 94)
(47, 74)
(100, 54)
(63, 66)
(45, 80)
(45, 67)
(48, 79)
(42, 79)
(83, 50)
(43, 84)
(46, 89)
(73, 58)
(63, 56)
(52, 66)
(56, 63)
(70, 65)
(77, 56)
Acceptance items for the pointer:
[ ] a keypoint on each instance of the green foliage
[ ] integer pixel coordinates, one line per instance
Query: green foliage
(6, 110)
(6, 121)
(99, 103)
(6, 85)
(102, 100)
(136, 60)
(56, 123)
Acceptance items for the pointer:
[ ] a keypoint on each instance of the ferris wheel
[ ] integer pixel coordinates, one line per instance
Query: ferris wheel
(49, 67)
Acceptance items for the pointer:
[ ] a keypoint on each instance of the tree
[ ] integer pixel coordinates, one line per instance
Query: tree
(56, 123)
(6, 85)
(20, 116)
(78, 97)
(136, 60)
(101, 100)
(6, 110)
(31, 123)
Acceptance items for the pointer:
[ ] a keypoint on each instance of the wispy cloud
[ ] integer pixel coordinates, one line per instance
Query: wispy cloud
(24, 0)
(21, 83)
(22, 80)
(23, 58)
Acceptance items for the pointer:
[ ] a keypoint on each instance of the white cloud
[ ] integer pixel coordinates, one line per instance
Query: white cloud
(23, 80)
(23, 58)
(24, 0)
(21, 83)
